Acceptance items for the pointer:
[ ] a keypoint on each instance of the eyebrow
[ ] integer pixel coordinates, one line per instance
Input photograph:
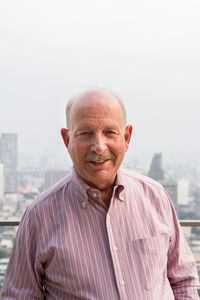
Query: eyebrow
(83, 128)
(89, 128)
(108, 127)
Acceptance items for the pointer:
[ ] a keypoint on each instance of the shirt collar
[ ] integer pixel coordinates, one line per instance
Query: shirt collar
(120, 183)
(85, 190)
(80, 185)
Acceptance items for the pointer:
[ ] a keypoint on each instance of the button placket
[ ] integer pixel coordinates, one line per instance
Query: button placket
(115, 257)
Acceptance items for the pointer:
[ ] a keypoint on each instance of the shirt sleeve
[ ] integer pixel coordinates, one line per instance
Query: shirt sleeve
(182, 271)
(23, 279)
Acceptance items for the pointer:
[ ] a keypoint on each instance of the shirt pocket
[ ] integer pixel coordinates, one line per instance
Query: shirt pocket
(151, 254)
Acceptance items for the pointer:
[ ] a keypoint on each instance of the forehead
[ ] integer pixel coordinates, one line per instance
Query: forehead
(96, 106)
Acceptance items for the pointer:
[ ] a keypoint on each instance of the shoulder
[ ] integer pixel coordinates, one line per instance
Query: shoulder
(50, 196)
(147, 193)
(144, 188)
(129, 176)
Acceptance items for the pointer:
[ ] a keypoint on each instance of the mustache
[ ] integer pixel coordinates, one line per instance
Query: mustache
(95, 157)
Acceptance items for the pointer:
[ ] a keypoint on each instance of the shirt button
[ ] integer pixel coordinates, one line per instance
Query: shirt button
(115, 248)
(84, 204)
(94, 195)
(122, 282)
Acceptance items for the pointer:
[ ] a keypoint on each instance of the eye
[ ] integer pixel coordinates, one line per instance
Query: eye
(84, 133)
(110, 132)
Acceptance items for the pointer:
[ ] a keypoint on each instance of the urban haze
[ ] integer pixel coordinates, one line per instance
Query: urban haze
(145, 51)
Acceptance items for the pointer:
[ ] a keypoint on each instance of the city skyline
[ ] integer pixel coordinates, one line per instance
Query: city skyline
(147, 52)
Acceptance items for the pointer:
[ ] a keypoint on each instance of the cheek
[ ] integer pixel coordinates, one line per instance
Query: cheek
(119, 148)
(72, 152)
(78, 152)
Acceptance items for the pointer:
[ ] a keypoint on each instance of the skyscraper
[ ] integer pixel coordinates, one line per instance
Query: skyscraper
(52, 176)
(8, 156)
(156, 172)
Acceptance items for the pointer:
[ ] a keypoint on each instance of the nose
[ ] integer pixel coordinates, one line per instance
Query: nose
(98, 144)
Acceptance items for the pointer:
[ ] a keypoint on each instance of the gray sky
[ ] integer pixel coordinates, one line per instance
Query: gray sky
(146, 51)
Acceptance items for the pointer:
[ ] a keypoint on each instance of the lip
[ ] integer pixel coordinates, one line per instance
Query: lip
(99, 165)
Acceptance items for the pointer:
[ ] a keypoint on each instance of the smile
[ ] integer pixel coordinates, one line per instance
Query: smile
(99, 163)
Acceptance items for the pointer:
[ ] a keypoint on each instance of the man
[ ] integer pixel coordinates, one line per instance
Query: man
(101, 232)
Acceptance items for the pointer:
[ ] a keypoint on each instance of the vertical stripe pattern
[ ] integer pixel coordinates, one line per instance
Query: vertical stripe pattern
(70, 246)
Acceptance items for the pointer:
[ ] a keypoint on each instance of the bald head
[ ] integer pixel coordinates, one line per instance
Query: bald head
(96, 95)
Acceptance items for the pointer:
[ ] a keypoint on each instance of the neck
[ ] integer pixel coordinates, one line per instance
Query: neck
(106, 195)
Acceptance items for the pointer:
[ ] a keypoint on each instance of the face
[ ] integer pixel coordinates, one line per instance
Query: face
(97, 140)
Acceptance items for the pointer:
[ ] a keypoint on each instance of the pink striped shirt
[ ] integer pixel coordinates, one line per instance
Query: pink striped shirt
(70, 246)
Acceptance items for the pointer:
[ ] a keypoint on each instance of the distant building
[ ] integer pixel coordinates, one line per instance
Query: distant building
(8, 156)
(172, 190)
(1, 181)
(156, 172)
(52, 176)
(183, 191)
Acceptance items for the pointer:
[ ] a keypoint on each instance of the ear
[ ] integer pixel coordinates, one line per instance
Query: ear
(127, 135)
(65, 136)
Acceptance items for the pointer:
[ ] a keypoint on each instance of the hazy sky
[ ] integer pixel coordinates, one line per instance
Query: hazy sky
(146, 51)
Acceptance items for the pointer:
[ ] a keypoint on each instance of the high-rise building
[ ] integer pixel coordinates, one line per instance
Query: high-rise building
(52, 176)
(156, 172)
(1, 181)
(8, 156)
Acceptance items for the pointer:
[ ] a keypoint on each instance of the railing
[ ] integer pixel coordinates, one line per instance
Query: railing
(190, 223)
(9, 223)
(184, 223)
